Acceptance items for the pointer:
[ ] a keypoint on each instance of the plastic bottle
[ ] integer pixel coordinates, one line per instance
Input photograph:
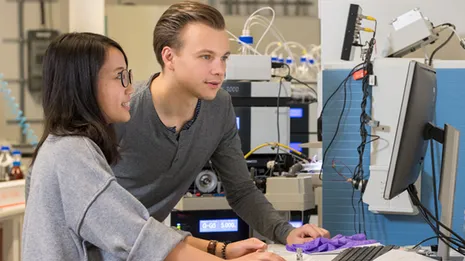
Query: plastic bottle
(311, 61)
(312, 65)
(16, 172)
(302, 69)
(290, 70)
(274, 59)
(246, 44)
(280, 71)
(16, 154)
(5, 163)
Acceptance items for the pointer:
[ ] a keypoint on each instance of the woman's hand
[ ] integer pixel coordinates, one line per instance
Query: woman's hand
(244, 247)
(260, 256)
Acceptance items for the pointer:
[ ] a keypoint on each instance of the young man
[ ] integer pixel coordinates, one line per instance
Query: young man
(181, 118)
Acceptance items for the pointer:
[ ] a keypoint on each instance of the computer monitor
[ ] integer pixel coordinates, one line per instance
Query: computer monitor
(414, 130)
(409, 147)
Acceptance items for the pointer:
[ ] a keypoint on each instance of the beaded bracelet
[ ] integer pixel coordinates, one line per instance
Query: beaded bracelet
(223, 250)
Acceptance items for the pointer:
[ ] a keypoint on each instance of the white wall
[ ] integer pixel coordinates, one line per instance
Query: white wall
(132, 27)
(146, 2)
(222, 7)
(86, 16)
(333, 14)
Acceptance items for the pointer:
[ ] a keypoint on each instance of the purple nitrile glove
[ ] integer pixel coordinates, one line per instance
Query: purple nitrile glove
(324, 245)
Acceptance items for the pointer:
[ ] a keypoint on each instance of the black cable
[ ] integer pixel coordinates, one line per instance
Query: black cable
(306, 85)
(288, 70)
(338, 124)
(435, 195)
(424, 240)
(433, 237)
(445, 24)
(447, 240)
(363, 213)
(364, 117)
(277, 109)
(343, 83)
(42, 12)
(355, 211)
(356, 68)
(430, 215)
(277, 122)
(427, 215)
(358, 174)
(441, 236)
(289, 78)
(439, 48)
(365, 65)
(430, 62)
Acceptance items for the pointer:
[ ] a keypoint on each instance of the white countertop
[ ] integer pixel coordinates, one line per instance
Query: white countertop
(291, 256)
(12, 199)
(9, 212)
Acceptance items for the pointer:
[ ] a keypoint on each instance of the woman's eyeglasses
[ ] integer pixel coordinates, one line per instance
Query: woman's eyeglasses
(126, 77)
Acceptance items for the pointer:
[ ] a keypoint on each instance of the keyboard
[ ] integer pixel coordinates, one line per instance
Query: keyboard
(363, 253)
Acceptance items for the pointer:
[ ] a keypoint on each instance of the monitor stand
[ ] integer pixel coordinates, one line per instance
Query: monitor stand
(449, 137)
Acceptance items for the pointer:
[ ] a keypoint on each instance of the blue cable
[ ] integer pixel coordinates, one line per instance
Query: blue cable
(14, 108)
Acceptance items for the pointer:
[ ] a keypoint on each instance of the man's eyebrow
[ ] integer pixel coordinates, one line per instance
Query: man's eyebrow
(206, 51)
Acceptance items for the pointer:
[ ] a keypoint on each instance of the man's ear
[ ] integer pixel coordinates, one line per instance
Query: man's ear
(167, 54)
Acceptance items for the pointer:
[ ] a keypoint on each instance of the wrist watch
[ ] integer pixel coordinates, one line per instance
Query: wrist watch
(212, 247)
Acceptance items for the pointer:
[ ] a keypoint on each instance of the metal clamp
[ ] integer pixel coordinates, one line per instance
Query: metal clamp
(373, 123)
(372, 81)
(299, 255)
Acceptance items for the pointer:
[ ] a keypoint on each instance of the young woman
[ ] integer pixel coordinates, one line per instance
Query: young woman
(76, 210)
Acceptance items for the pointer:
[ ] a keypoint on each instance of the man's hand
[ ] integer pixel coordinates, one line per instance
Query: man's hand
(244, 247)
(306, 233)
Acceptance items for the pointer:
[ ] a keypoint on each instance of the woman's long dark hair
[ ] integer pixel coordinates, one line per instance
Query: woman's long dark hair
(71, 67)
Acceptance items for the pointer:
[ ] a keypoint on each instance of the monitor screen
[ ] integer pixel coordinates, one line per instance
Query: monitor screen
(409, 147)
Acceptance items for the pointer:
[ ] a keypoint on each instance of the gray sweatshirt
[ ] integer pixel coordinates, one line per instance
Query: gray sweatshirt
(77, 211)
(158, 165)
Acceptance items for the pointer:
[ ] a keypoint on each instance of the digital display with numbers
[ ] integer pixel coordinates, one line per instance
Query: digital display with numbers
(218, 225)
(296, 113)
(296, 146)
(296, 223)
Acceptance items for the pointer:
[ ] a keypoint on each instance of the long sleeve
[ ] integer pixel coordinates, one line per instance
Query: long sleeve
(118, 224)
(27, 184)
(242, 194)
(106, 215)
